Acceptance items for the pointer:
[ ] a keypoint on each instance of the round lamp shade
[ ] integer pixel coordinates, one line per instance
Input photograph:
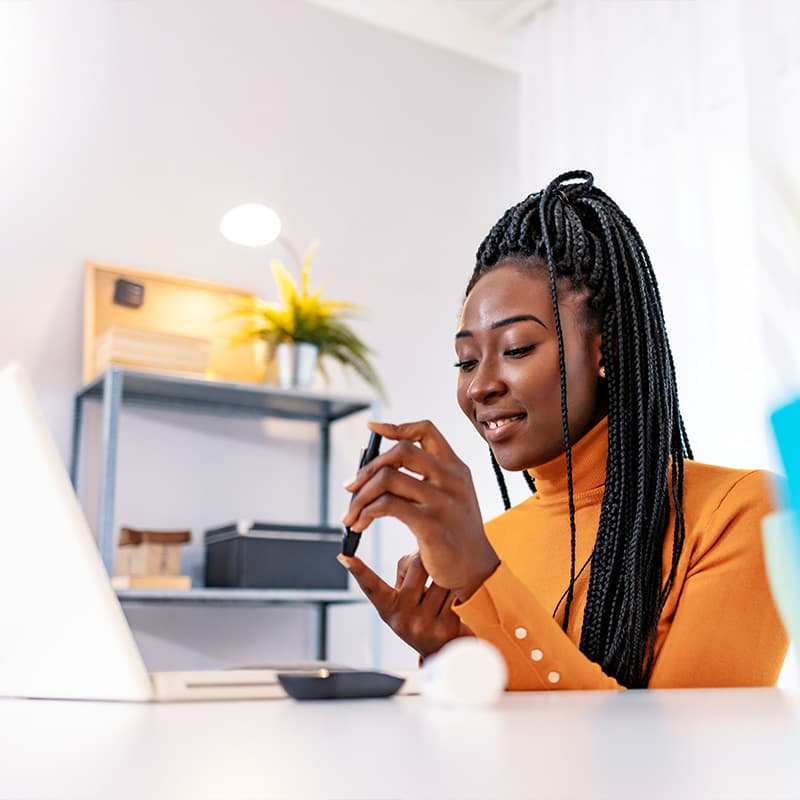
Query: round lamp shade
(251, 224)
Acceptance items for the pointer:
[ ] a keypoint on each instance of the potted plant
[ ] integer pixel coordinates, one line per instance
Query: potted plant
(303, 328)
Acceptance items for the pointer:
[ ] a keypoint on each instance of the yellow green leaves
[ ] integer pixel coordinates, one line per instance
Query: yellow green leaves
(302, 315)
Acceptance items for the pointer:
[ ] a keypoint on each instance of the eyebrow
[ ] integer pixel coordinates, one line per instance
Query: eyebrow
(501, 323)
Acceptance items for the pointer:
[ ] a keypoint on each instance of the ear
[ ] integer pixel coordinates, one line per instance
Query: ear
(596, 350)
(596, 353)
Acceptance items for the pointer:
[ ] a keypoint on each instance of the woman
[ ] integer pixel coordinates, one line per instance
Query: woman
(631, 565)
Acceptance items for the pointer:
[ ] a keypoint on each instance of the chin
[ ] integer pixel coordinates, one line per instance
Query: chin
(511, 462)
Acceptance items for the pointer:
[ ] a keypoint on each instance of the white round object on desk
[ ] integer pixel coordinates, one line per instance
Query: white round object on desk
(465, 672)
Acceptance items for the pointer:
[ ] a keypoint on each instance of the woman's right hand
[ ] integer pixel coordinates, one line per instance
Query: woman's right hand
(420, 616)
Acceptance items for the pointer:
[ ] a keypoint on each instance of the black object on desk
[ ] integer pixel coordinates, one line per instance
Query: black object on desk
(346, 685)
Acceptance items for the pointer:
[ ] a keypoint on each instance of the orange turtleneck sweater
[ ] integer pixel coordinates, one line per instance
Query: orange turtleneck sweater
(719, 627)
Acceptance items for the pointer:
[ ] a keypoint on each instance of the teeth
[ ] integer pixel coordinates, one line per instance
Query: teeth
(498, 423)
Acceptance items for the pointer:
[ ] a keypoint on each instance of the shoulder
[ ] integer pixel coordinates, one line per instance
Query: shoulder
(723, 507)
(706, 487)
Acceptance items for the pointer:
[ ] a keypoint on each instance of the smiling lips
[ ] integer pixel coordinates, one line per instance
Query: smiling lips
(494, 424)
(498, 427)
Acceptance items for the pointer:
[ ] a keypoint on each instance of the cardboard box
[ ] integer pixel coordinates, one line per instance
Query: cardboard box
(147, 552)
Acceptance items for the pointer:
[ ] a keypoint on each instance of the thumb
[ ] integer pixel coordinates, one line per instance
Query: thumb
(377, 591)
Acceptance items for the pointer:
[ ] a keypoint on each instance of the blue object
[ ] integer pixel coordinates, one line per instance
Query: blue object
(781, 529)
(782, 559)
(786, 426)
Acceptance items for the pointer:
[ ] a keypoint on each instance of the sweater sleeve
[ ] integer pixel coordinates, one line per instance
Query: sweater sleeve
(538, 654)
(726, 630)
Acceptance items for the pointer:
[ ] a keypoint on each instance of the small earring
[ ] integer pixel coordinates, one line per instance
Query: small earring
(602, 370)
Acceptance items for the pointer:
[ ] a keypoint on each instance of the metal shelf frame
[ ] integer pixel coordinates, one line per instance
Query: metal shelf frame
(117, 387)
(322, 599)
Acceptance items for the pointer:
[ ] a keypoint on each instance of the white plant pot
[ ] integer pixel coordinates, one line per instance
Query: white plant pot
(296, 364)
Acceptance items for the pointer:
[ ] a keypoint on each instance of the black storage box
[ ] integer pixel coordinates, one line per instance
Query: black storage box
(259, 555)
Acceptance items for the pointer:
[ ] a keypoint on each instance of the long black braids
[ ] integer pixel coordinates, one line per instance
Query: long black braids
(578, 233)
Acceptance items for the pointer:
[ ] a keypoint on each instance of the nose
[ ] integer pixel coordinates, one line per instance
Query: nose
(486, 383)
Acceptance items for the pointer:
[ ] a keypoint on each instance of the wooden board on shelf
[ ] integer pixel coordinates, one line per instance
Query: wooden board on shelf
(174, 306)
(172, 582)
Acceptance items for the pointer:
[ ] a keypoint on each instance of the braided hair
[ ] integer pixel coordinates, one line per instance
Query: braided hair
(582, 235)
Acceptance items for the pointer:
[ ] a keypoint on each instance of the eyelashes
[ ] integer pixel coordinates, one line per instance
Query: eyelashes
(518, 352)
(515, 352)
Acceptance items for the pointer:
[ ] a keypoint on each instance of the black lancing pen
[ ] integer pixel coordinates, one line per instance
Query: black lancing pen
(350, 539)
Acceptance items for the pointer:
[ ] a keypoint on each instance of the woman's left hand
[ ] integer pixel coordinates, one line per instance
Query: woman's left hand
(439, 507)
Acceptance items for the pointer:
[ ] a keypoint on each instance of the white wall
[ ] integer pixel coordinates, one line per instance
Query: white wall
(688, 114)
(128, 128)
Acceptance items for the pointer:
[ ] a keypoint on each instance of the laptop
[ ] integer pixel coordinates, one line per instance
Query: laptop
(63, 634)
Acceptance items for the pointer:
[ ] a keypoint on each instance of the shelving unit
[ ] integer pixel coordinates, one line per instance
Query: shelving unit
(117, 387)
(321, 599)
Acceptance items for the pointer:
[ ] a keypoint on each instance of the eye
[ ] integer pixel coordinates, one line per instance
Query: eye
(519, 352)
(465, 366)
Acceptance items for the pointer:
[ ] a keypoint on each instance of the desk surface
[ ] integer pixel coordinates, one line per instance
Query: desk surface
(740, 743)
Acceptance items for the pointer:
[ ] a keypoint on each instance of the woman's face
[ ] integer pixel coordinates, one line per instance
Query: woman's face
(509, 382)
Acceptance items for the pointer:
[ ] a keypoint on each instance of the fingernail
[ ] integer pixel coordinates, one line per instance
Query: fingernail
(344, 561)
(348, 484)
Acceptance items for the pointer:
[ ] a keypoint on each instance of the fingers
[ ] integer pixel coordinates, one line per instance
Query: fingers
(442, 474)
(435, 599)
(447, 605)
(377, 591)
(411, 514)
(424, 432)
(421, 617)
(411, 580)
(388, 481)
(412, 590)
(407, 455)
(402, 568)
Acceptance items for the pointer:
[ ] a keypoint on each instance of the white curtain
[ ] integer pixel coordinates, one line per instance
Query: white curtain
(688, 114)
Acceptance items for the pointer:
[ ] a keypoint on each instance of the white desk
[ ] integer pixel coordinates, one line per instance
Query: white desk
(668, 744)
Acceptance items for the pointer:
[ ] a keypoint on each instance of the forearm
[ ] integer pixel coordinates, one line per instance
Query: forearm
(538, 654)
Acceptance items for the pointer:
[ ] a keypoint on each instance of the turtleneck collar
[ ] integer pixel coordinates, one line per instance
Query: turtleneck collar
(589, 456)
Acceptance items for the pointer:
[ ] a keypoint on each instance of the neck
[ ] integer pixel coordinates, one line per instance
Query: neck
(589, 456)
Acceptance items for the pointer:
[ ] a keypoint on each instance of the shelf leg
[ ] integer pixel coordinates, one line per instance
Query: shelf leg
(112, 400)
(324, 470)
(77, 430)
(322, 631)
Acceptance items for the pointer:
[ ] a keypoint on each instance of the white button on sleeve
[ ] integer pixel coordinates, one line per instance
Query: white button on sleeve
(537, 655)
(553, 677)
(520, 632)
